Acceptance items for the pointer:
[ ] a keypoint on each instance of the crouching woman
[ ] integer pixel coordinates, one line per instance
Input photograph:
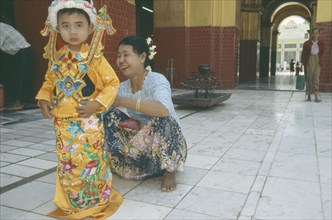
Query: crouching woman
(143, 135)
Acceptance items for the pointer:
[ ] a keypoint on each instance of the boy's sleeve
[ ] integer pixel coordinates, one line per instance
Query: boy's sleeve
(107, 95)
(45, 92)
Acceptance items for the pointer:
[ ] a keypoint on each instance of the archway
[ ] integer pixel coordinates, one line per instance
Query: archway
(293, 31)
(274, 13)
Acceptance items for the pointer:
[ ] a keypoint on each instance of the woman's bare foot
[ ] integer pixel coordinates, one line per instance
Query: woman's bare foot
(169, 183)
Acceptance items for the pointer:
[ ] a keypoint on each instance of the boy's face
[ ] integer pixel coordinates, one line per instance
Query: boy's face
(74, 30)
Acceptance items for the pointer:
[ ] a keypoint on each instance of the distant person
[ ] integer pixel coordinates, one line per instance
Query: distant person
(292, 67)
(311, 58)
(298, 68)
(18, 76)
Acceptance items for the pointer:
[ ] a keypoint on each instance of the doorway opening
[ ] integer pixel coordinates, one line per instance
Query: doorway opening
(144, 18)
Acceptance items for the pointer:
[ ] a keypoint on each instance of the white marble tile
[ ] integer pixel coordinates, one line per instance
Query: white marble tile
(190, 176)
(6, 179)
(39, 163)
(17, 143)
(19, 170)
(207, 201)
(7, 213)
(289, 199)
(42, 147)
(149, 191)
(5, 148)
(23, 132)
(12, 158)
(28, 196)
(244, 217)
(297, 166)
(325, 169)
(6, 130)
(261, 146)
(324, 147)
(250, 205)
(237, 166)
(50, 178)
(49, 142)
(265, 169)
(212, 150)
(251, 131)
(44, 135)
(186, 215)
(33, 139)
(5, 137)
(45, 208)
(130, 210)
(243, 154)
(50, 156)
(327, 200)
(228, 134)
(123, 186)
(258, 184)
(297, 145)
(27, 152)
(30, 216)
(198, 161)
(3, 164)
(227, 181)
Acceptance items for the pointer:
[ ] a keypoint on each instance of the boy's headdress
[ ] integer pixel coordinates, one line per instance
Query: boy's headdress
(57, 5)
(102, 22)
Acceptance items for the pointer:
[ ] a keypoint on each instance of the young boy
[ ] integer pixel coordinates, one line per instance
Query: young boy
(79, 85)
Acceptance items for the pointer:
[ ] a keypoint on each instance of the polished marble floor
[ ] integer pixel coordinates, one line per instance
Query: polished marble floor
(262, 154)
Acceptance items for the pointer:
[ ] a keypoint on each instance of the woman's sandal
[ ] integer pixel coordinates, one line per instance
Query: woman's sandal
(317, 100)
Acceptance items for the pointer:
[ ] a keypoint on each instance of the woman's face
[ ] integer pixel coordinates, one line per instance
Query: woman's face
(129, 62)
(74, 29)
(315, 34)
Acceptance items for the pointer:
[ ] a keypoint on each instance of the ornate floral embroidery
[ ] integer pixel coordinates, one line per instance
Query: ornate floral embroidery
(75, 128)
(108, 175)
(83, 67)
(106, 193)
(68, 166)
(91, 123)
(68, 85)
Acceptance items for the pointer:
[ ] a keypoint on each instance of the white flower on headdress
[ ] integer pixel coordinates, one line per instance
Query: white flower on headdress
(57, 5)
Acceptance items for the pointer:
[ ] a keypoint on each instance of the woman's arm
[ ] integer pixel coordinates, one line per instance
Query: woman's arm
(145, 106)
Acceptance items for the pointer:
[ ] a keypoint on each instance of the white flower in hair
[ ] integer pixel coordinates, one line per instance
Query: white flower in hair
(152, 53)
(149, 40)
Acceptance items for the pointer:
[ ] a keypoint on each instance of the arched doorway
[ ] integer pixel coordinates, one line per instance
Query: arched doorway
(259, 33)
(275, 12)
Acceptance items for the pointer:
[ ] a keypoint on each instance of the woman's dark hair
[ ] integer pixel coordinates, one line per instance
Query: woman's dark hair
(70, 11)
(139, 46)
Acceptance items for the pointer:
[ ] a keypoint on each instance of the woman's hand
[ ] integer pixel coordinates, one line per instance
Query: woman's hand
(87, 108)
(45, 107)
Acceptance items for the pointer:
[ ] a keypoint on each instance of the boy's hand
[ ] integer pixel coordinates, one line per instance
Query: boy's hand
(87, 108)
(45, 107)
